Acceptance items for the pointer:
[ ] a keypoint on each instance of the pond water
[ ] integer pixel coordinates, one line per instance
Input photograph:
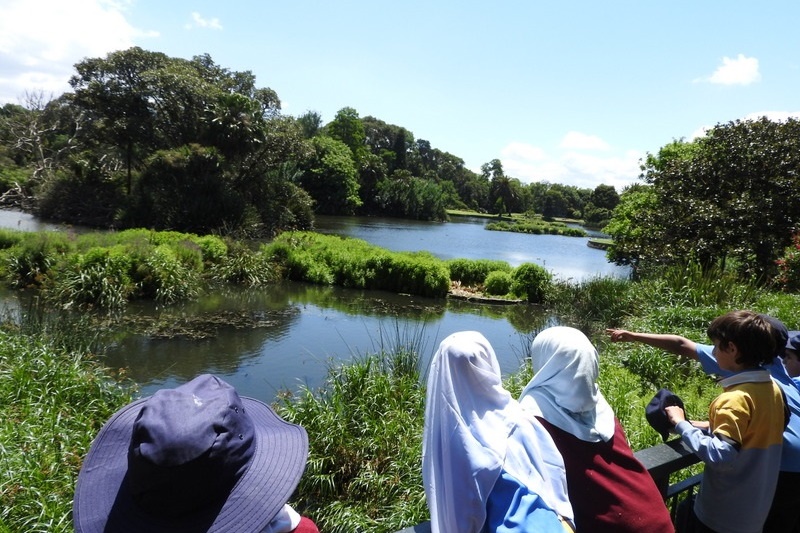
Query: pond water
(465, 237)
(298, 330)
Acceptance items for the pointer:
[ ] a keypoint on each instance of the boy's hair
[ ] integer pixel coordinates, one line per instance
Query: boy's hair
(750, 332)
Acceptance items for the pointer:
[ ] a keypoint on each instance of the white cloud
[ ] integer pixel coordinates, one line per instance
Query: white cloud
(198, 21)
(740, 71)
(576, 140)
(41, 40)
(517, 150)
(572, 163)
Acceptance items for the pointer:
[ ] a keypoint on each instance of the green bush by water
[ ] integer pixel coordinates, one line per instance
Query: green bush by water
(474, 271)
(498, 283)
(332, 260)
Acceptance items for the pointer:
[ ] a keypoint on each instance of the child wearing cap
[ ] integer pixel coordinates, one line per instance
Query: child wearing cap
(784, 514)
(791, 357)
(741, 447)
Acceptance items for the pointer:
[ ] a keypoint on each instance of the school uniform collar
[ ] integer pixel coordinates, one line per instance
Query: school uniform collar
(760, 375)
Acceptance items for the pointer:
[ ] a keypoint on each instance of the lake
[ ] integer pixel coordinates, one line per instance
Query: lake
(299, 329)
(465, 237)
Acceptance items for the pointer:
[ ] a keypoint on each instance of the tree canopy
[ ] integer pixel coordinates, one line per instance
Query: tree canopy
(210, 151)
(724, 197)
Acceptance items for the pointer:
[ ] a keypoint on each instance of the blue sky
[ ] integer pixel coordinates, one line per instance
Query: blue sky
(565, 92)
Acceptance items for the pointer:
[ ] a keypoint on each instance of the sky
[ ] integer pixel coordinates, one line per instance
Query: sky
(570, 92)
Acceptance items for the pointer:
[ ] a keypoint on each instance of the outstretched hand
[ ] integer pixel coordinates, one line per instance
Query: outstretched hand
(619, 335)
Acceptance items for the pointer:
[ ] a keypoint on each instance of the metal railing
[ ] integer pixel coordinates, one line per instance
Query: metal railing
(661, 461)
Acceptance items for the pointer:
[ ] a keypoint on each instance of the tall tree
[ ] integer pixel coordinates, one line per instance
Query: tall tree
(348, 128)
(311, 123)
(723, 195)
(330, 177)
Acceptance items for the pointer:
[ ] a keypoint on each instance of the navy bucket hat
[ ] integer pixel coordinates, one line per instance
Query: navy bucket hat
(655, 414)
(194, 458)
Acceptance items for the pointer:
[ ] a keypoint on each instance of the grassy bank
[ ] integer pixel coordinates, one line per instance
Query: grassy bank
(54, 398)
(105, 271)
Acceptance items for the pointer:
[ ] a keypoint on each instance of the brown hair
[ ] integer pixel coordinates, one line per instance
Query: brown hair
(750, 332)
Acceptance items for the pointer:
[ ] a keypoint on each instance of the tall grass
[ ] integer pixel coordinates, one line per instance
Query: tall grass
(54, 398)
(474, 271)
(365, 435)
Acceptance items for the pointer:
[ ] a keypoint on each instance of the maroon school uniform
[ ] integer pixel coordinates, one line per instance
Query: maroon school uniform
(610, 490)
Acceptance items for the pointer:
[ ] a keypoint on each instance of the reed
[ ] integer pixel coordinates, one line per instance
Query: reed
(54, 397)
(365, 429)
(474, 271)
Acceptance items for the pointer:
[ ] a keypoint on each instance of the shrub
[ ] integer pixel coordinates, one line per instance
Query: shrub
(213, 249)
(30, 260)
(474, 271)
(789, 267)
(327, 259)
(165, 279)
(498, 283)
(100, 278)
(242, 266)
(531, 281)
(594, 303)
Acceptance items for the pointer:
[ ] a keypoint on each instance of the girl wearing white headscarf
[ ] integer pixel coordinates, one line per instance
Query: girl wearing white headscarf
(486, 465)
(610, 490)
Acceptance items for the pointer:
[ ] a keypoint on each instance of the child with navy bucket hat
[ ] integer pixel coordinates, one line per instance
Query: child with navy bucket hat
(196, 458)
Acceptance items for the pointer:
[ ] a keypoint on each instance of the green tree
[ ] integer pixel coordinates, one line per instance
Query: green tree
(330, 177)
(406, 196)
(604, 197)
(721, 197)
(348, 128)
(117, 96)
(602, 201)
(554, 204)
(311, 123)
(633, 227)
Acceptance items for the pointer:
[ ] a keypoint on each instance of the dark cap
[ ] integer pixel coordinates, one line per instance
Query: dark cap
(779, 331)
(655, 414)
(794, 341)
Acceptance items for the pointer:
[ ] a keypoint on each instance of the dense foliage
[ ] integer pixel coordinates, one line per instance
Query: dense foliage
(147, 140)
(54, 397)
(723, 198)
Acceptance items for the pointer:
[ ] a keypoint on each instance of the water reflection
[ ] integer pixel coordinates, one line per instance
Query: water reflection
(307, 328)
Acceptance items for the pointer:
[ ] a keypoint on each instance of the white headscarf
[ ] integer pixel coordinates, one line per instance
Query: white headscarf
(564, 388)
(474, 429)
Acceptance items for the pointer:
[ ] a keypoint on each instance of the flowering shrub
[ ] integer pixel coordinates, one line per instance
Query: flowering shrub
(789, 267)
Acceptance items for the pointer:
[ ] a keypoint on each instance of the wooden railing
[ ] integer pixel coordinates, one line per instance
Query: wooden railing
(661, 461)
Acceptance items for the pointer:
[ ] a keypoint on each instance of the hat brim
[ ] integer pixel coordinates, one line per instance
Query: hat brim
(102, 501)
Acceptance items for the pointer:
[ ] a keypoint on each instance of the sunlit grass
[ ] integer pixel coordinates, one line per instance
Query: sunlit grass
(53, 402)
